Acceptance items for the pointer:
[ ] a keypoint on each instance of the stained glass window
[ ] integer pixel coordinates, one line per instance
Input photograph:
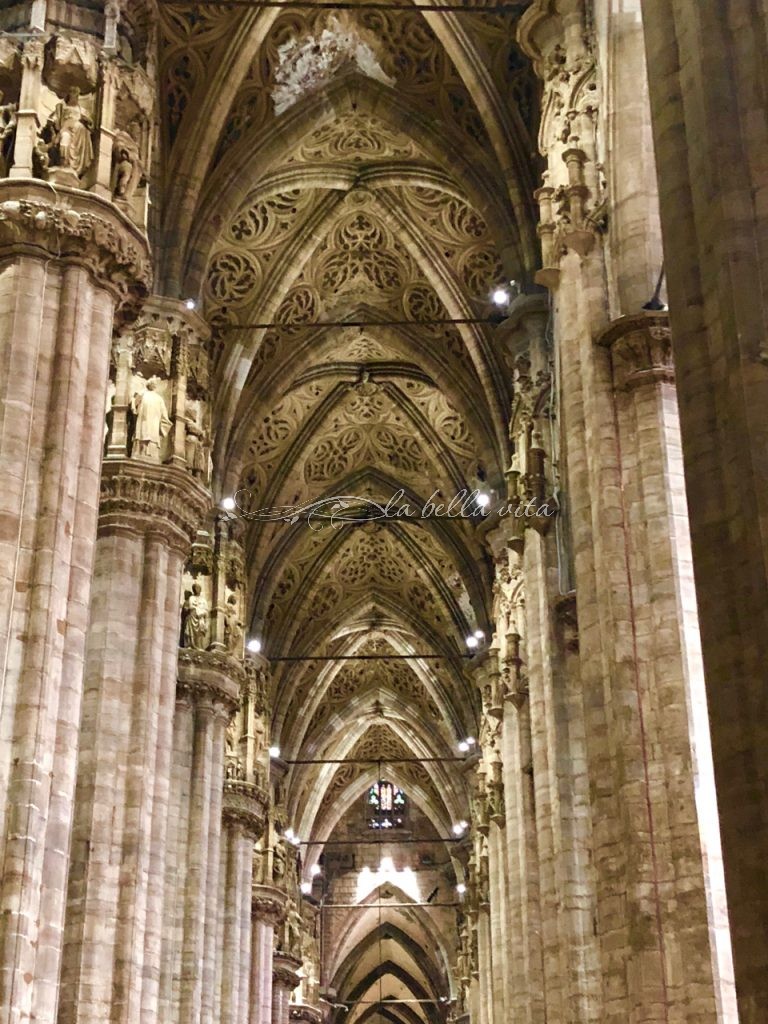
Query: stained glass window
(386, 806)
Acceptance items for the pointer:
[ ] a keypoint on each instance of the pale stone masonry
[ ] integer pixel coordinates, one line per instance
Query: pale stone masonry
(383, 584)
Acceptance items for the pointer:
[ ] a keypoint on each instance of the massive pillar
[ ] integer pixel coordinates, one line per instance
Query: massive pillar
(151, 508)
(618, 464)
(706, 65)
(66, 264)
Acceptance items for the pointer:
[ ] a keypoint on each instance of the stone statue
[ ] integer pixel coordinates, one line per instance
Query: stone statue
(70, 128)
(194, 449)
(233, 628)
(152, 422)
(126, 167)
(195, 627)
(278, 862)
(7, 134)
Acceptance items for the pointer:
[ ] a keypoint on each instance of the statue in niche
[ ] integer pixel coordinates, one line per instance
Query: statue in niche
(195, 449)
(278, 862)
(69, 130)
(194, 630)
(152, 422)
(7, 134)
(126, 167)
(233, 627)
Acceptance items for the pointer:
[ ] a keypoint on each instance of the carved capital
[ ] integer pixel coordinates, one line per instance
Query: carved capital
(210, 676)
(76, 227)
(285, 970)
(140, 497)
(307, 1014)
(641, 349)
(268, 904)
(245, 806)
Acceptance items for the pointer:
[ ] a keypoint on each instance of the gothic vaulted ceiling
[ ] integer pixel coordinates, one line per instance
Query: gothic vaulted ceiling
(343, 192)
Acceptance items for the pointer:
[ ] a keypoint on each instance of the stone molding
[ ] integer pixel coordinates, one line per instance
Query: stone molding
(285, 970)
(268, 904)
(210, 676)
(245, 806)
(308, 1014)
(77, 227)
(141, 497)
(641, 349)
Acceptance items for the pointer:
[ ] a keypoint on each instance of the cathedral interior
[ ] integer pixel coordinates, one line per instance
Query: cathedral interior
(384, 512)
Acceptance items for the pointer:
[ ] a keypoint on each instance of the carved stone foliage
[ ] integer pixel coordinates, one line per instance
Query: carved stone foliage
(78, 229)
(641, 350)
(406, 52)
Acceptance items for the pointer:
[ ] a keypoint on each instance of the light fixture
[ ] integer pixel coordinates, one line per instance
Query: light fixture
(254, 646)
(275, 752)
(483, 499)
(470, 741)
(463, 746)
(190, 304)
(472, 642)
(315, 870)
(289, 833)
(228, 504)
(500, 297)
(296, 841)
(459, 828)
(306, 888)
(461, 888)
(479, 634)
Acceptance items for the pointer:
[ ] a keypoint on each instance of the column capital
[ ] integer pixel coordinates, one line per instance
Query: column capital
(245, 805)
(211, 676)
(306, 1014)
(71, 226)
(142, 497)
(641, 349)
(268, 904)
(285, 970)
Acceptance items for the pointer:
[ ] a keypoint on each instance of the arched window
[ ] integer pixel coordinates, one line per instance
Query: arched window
(386, 806)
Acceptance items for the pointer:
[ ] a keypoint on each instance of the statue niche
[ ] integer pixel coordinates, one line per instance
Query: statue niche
(195, 610)
(68, 139)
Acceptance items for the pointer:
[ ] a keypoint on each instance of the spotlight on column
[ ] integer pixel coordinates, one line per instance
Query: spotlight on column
(275, 752)
(315, 870)
(254, 646)
(461, 888)
(483, 500)
(470, 741)
(472, 642)
(479, 634)
(289, 834)
(500, 296)
(463, 746)
(190, 304)
(228, 504)
(306, 888)
(460, 827)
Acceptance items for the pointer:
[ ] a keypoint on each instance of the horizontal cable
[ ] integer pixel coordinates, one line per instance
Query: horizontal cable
(510, 7)
(374, 760)
(221, 328)
(375, 842)
(366, 657)
(382, 906)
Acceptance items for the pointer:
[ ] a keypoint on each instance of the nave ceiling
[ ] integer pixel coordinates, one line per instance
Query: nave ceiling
(342, 212)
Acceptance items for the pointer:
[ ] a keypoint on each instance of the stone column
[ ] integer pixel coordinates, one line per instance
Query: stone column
(149, 516)
(207, 697)
(244, 814)
(66, 266)
(655, 950)
(285, 978)
(268, 911)
(705, 63)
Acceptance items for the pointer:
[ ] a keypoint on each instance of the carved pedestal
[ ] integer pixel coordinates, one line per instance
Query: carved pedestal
(149, 516)
(67, 264)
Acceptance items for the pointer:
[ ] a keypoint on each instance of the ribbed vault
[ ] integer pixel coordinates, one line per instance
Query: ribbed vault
(343, 221)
